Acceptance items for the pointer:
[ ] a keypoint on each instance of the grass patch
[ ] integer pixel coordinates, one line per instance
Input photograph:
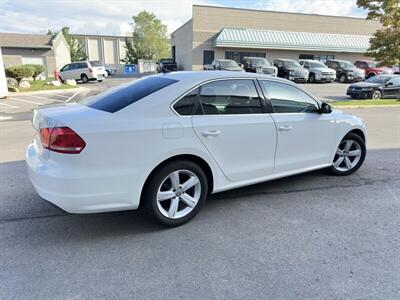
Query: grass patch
(366, 102)
(41, 85)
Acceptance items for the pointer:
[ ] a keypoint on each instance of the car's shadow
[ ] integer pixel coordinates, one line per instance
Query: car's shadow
(20, 204)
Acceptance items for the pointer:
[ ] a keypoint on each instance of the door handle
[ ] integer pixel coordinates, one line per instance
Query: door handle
(211, 133)
(285, 128)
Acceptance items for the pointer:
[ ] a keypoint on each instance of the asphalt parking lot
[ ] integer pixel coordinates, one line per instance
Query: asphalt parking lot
(312, 236)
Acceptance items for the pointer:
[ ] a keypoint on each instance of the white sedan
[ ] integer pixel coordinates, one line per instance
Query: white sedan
(165, 142)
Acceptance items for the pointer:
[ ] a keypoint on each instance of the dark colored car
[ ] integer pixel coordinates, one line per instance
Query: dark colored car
(223, 65)
(376, 87)
(259, 65)
(167, 65)
(291, 69)
(346, 71)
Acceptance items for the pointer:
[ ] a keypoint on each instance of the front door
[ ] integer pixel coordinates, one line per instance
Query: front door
(305, 137)
(234, 129)
(392, 88)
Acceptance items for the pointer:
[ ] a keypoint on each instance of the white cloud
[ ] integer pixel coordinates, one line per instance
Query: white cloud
(90, 16)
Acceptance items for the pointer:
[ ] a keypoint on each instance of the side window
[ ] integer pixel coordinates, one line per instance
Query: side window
(227, 97)
(395, 81)
(286, 98)
(185, 105)
(82, 66)
(278, 64)
(65, 68)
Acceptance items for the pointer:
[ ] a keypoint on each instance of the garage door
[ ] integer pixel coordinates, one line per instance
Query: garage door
(32, 60)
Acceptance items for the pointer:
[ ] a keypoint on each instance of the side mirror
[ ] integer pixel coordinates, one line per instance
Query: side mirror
(325, 108)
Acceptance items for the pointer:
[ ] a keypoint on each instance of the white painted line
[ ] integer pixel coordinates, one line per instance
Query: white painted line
(8, 105)
(27, 101)
(44, 98)
(5, 118)
(70, 98)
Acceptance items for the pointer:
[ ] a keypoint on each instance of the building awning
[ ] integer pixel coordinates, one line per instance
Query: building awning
(289, 40)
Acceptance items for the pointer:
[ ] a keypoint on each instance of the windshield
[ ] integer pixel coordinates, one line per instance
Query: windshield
(96, 64)
(346, 64)
(292, 63)
(260, 62)
(228, 64)
(378, 79)
(166, 61)
(317, 64)
(371, 64)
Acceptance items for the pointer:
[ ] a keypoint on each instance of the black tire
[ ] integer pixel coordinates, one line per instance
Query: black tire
(149, 197)
(108, 73)
(343, 78)
(370, 75)
(361, 142)
(84, 78)
(311, 79)
(100, 80)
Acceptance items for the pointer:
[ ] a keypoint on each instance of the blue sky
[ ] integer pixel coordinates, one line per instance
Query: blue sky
(113, 16)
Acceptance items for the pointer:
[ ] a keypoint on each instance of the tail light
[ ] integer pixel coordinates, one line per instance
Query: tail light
(90, 70)
(62, 140)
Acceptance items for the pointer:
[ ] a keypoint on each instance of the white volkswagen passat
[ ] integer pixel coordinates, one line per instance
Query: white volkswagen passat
(165, 142)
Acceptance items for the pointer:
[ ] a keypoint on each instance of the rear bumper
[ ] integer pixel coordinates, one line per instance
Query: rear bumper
(77, 192)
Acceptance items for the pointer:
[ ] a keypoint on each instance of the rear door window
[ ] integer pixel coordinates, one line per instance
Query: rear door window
(116, 99)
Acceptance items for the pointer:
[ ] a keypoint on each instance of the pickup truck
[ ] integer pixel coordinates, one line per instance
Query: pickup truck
(259, 65)
(223, 65)
(167, 65)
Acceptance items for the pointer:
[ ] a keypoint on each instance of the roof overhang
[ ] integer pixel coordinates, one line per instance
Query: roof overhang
(28, 46)
(289, 40)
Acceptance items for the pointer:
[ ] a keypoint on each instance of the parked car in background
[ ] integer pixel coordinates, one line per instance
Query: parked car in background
(318, 72)
(165, 142)
(376, 87)
(346, 71)
(259, 65)
(370, 68)
(167, 65)
(84, 71)
(110, 70)
(396, 69)
(291, 69)
(223, 65)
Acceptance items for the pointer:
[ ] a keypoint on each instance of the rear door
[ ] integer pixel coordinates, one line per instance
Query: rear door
(235, 130)
(305, 137)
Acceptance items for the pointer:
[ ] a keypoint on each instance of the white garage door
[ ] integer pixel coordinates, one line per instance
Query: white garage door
(32, 60)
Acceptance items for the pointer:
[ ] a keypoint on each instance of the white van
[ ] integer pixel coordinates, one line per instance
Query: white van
(84, 71)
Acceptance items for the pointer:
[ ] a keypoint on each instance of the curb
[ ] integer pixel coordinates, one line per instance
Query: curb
(10, 94)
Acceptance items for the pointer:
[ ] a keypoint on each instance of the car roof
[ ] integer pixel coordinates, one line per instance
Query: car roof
(285, 59)
(311, 60)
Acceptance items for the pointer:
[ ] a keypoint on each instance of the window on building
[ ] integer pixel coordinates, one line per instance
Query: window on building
(286, 98)
(230, 97)
(238, 55)
(208, 57)
(316, 57)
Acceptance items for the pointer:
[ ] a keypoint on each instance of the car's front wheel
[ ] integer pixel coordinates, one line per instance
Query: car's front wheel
(311, 79)
(343, 78)
(376, 95)
(349, 156)
(175, 192)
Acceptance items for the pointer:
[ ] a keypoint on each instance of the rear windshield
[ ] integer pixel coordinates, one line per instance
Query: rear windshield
(119, 98)
(96, 64)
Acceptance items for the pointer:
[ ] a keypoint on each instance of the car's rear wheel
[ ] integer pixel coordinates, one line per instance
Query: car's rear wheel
(349, 156)
(84, 78)
(108, 73)
(376, 95)
(343, 78)
(175, 193)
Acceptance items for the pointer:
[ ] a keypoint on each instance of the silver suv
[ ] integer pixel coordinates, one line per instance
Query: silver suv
(318, 72)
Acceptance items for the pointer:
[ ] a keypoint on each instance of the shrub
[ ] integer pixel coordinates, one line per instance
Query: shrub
(38, 69)
(19, 72)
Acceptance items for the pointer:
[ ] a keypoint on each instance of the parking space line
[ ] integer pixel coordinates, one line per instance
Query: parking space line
(45, 98)
(61, 96)
(70, 98)
(8, 105)
(28, 101)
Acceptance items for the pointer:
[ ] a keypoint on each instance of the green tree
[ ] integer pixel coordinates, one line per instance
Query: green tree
(385, 43)
(149, 39)
(76, 45)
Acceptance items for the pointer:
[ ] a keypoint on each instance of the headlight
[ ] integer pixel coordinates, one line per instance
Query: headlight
(291, 72)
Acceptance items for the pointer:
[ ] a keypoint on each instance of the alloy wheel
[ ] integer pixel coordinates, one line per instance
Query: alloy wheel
(178, 194)
(342, 78)
(376, 95)
(347, 156)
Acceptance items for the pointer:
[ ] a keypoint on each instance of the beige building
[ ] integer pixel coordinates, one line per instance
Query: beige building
(105, 48)
(50, 51)
(220, 32)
